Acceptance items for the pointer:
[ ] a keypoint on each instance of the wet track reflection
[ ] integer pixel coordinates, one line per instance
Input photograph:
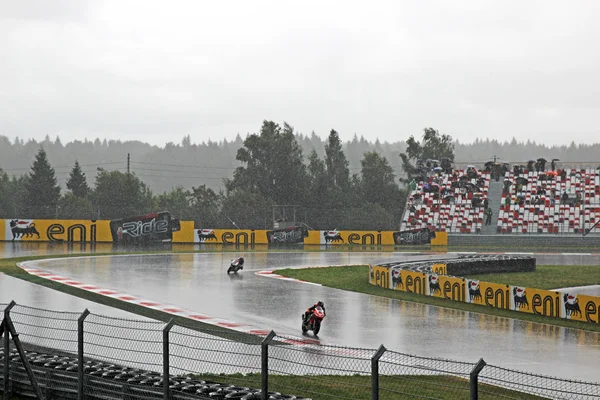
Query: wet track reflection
(198, 282)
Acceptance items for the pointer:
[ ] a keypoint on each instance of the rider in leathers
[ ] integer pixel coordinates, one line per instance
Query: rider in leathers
(308, 312)
(238, 261)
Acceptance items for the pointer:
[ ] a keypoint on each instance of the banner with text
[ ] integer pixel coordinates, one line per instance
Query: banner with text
(575, 306)
(50, 230)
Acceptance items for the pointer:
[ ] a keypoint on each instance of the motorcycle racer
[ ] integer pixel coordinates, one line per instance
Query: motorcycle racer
(236, 264)
(308, 312)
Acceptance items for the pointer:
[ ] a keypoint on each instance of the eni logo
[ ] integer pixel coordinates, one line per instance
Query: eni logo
(55, 231)
(367, 238)
(241, 237)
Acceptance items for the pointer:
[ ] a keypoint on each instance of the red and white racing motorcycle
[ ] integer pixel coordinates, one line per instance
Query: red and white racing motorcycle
(313, 323)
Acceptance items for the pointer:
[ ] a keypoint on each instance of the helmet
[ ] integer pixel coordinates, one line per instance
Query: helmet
(242, 260)
(320, 303)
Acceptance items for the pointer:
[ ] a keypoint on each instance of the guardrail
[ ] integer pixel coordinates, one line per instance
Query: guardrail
(89, 356)
(436, 278)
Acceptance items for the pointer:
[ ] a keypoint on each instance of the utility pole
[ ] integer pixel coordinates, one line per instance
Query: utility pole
(128, 163)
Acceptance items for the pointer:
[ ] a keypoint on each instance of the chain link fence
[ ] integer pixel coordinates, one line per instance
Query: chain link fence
(54, 354)
(307, 369)
(408, 376)
(503, 383)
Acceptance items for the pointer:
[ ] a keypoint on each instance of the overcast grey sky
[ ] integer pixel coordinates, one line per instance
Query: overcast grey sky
(156, 71)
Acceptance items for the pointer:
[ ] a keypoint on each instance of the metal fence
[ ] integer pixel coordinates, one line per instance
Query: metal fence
(88, 356)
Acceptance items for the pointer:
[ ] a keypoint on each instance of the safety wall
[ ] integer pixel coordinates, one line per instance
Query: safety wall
(547, 303)
(90, 231)
(99, 231)
(314, 237)
(49, 230)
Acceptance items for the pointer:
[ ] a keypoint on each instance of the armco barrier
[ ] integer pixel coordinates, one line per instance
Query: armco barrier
(438, 278)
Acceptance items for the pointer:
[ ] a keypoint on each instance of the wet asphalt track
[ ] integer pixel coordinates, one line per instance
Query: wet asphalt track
(198, 282)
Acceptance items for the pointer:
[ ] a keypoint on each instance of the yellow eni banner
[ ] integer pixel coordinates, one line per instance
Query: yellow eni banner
(488, 294)
(447, 287)
(351, 237)
(440, 239)
(333, 237)
(536, 301)
(380, 276)
(385, 238)
(185, 234)
(580, 307)
(57, 230)
(439, 269)
(231, 236)
(414, 282)
(72, 230)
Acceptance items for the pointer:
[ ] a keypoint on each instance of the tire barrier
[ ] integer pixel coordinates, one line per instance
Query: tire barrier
(441, 278)
(57, 375)
(467, 265)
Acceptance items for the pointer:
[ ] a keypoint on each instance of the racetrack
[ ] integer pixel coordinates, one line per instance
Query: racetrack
(198, 282)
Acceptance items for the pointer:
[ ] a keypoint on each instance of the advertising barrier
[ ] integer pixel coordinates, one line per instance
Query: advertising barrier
(488, 294)
(536, 301)
(231, 236)
(447, 287)
(301, 235)
(581, 307)
(413, 282)
(295, 234)
(414, 237)
(440, 268)
(149, 228)
(410, 277)
(380, 276)
(49, 230)
(162, 227)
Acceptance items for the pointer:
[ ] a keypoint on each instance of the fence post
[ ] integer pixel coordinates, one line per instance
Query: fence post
(80, 377)
(264, 358)
(375, 372)
(474, 379)
(15, 337)
(7, 348)
(166, 366)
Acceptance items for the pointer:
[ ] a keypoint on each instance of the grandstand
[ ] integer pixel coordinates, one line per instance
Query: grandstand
(550, 202)
(448, 202)
(565, 202)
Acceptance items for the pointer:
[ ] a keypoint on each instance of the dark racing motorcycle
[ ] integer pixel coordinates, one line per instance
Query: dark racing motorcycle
(236, 265)
(313, 322)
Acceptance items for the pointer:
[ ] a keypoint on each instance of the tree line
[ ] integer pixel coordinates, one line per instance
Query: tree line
(273, 171)
(208, 163)
(356, 185)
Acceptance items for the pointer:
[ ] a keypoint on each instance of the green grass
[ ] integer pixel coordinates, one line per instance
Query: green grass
(317, 387)
(356, 278)
(444, 387)
(548, 277)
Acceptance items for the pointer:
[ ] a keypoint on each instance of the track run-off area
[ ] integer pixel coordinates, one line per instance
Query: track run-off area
(189, 284)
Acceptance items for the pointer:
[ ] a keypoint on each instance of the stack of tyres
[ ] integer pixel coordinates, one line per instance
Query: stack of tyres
(141, 378)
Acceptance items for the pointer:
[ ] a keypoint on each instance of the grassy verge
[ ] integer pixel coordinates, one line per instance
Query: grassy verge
(356, 278)
(443, 387)
(548, 277)
(9, 267)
